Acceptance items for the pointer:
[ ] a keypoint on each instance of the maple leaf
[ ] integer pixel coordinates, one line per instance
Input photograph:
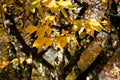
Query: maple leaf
(65, 14)
(40, 32)
(47, 20)
(49, 42)
(30, 29)
(42, 40)
(32, 6)
(48, 31)
(39, 43)
(61, 42)
(92, 25)
(51, 4)
(64, 32)
(65, 4)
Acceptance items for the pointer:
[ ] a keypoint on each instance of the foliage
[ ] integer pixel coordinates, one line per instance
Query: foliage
(62, 31)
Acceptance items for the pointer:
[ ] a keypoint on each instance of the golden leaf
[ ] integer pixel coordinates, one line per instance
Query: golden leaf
(66, 4)
(91, 25)
(77, 24)
(30, 29)
(47, 20)
(104, 1)
(40, 32)
(89, 30)
(33, 5)
(75, 41)
(3, 64)
(65, 14)
(16, 61)
(49, 42)
(48, 31)
(57, 34)
(64, 32)
(39, 43)
(51, 4)
(61, 42)
(94, 24)
(40, 9)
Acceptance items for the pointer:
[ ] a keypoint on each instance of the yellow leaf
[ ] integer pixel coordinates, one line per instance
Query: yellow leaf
(64, 32)
(77, 24)
(57, 34)
(40, 32)
(47, 20)
(66, 4)
(39, 43)
(89, 30)
(104, 1)
(16, 61)
(3, 64)
(75, 41)
(32, 6)
(49, 42)
(51, 4)
(30, 29)
(61, 42)
(65, 14)
(91, 25)
(40, 9)
(48, 31)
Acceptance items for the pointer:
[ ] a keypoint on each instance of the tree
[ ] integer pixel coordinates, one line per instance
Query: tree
(51, 36)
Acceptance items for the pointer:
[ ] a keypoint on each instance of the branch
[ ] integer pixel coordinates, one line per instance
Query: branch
(15, 32)
(99, 62)
(74, 59)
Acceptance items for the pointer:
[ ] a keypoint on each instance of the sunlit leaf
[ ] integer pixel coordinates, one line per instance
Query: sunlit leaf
(39, 43)
(48, 31)
(92, 25)
(77, 24)
(104, 1)
(57, 34)
(49, 42)
(65, 14)
(64, 32)
(51, 4)
(89, 30)
(106, 25)
(17, 61)
(32, 6)
(40, 9)
(40, 32)
(95, 24)
(65, 4)
(30, 29)
(47, 20)
(61, 42)
(3, 64)
(71, 76)
(75, 40)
